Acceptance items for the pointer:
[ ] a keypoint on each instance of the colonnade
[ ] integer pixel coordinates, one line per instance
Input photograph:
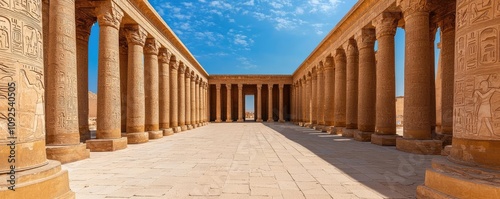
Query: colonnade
(351, 89)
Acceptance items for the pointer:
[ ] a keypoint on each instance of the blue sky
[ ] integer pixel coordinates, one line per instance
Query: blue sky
(252, 36)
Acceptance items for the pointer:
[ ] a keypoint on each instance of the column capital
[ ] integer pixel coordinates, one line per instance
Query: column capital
(217, 86)
(240, 86)
(228, 86)
(164, 55)
(270, 86)
(386, 24)
(259, 86)
(409, 7)
(193, 76)
(329, 62)
(188, 73)
(351, 47)
(152, 46)
(281, 86)
(108, 14)
(198, 80)
(340, 54)
(365, 38)
(84, 24)
(136, 35)
(447, 23)
(174, 64)
(182, 67)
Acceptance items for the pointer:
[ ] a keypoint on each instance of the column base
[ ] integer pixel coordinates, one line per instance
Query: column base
(189, 127)
(363, 136)
(319, 127)
(229, 121)
(240, 120)
(184, 128)
(270, 121)
(155, 135)
(168, 132)
(259, 120)
(218, 121)
(68, 153)
(349, 133)
(137, 138)
(85, 136)
(450, 180)
(104, 145)
(281, 121)
(446, 150)
(336, 130)
(301, 124)
(48, 181)
(177, 129)
(446, 138)
(424, 147)
(384, 140)
(308, 125)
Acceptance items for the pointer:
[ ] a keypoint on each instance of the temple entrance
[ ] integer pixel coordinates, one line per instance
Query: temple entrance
(249, 104)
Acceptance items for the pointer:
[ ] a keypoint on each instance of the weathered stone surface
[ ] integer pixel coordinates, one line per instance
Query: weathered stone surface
(68, 153)
(105, 145)
(384, 140)
(424, 147)
(362, 136)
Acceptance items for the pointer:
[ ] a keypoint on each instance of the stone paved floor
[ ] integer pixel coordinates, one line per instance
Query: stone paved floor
(250, 160)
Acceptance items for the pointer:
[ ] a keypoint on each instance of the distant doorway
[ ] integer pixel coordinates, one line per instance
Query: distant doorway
(249, 107)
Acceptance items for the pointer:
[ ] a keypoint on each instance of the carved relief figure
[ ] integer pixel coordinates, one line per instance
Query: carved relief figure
(31, 41)
(4, 33)
(4, 3)
(6, 75)
(460, 54)
(37, 86)
(481, 12)
(461, 18)
(482, 100)
(17, 37)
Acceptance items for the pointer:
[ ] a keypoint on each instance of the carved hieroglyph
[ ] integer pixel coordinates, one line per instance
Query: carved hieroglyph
(477, 78)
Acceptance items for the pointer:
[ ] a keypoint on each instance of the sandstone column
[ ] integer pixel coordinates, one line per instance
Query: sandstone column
(197, 101)
(151, 84)
(193, 98)
(123, 80)
(417, 127)
(83, 25)
(281, 118)
(22, 105)
(108, 131)
(469, 170)
(367, 85)
(259, 103)
(329, 97)
(321, 97)
(164, 91)
(447, 26)
(63, 135)
(218, 104)
(340, 90)
(188, 98)
(174, 94)
(229, 118)
(136, 38)
(352, 65)
(270, 103)
(385, 125)
(293, 102)
(182, 96)
(240, 103)
(314, 97)
(432, 77)
(303, 101)
(308, 104)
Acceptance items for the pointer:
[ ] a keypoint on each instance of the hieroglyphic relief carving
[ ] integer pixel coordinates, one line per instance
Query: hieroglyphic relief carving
(31, 82)
(32, 8)
(4, 33)
(488, 46)
(481, 11)
(471, 51)
(32, 42)
(5, 4)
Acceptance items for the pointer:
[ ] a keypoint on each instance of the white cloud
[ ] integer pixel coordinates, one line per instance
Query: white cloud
(221, 4)
(249, 3)
(246, 63)
(187, 4)
(242, 40)
(323, 5)
(299, 11)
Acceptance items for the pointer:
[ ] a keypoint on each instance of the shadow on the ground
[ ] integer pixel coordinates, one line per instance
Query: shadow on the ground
(392, 173)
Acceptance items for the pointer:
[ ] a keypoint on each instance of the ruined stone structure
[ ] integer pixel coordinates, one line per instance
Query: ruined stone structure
(150, 86)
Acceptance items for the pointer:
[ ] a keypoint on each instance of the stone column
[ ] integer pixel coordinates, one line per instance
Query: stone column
(340, 91)
(164, 91)
(367, 85)
(22, 103)
(151, 84)
(329, 97)
(63, 135)
(206, 103)
(385, 125)
(197, 102)
(321, 95)
(218, 104)
(281, 118)
(229, 118)
(188, 98)
(123, 81)
(314, 98)
(308, 94)
(182, 96)
(108, 131)
(469, 170)
(83, 26)
(352, 66)
(174, 94)
(259, 103)
(303, 104)
(270, 103)
(432, 77)
(417, 127)
(192, 100)
(240, 103)
(136, 38)
(293, 101)
(447, 26)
